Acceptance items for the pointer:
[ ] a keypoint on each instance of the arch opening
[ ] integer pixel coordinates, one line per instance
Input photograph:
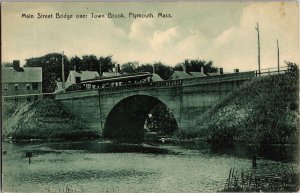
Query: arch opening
(137, 117)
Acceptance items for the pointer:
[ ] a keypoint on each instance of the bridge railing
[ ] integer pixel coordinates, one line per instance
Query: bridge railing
(271, 71)
(220, 78)
(28, 97)
(142, 85)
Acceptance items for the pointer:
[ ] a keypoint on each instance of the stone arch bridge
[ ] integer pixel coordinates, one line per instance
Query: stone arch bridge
(123, 110)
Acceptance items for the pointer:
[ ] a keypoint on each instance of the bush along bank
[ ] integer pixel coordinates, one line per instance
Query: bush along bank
(43, 119)
(264, 110)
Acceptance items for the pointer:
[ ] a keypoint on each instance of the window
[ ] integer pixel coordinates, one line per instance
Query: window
(5, 87)
(35, 86)
(27, 87)
(16, 87)
(77, 79)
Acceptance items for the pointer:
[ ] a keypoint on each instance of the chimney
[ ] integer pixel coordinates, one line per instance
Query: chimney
(184, 68)
(202, 69)
(220, 70)
(236, 70)
(75, 67)
(16, 65)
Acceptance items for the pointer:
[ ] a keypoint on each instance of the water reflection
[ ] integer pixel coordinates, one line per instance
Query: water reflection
(102, 165)
(108, 147)
(276, 152)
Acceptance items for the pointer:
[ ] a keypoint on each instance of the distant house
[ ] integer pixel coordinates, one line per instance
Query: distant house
(154, 78)
(180, 75)
(21, 81)
(184, 74)
(197, 74)
(219, 71)
(78, 76)
(75, 77)
(110, 74)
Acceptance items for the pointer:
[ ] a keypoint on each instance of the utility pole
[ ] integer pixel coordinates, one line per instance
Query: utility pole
(63, 72)
(278, 56)
(258, 44)
(100, 68)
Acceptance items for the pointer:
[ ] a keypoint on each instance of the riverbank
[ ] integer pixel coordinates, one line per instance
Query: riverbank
(43, 119)
(264, 110)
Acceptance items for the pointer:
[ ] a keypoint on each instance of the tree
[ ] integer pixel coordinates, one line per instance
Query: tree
(145, 68)
(161, 120)
(51, 65)
(129, 67)
(106, 64)
(89, 62)
(196, 65)
(76, 61)
(293, 69)
(164, 71)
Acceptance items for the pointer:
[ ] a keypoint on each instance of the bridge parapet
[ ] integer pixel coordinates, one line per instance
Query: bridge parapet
(242, 76)
(190, 81)
(220, 78)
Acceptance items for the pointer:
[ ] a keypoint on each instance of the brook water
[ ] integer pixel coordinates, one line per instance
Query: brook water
(106, 166)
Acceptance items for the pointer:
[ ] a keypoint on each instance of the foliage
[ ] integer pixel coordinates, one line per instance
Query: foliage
(92, 63)
(51, 66)
(293, 69)
(7, 64)
(161, 120)
(196, 65)
(264, 110)
(129, 67)
(48, 119)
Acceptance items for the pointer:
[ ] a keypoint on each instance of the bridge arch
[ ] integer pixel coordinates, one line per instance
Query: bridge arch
(127, 118)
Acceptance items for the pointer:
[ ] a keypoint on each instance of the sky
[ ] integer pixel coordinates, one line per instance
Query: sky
(223, 32)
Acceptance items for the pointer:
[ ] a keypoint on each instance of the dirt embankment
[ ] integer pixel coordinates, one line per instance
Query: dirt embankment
(264, 110)
(43, 119)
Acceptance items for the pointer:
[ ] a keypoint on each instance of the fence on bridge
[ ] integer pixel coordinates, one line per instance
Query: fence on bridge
(29, 97)
(271, 71)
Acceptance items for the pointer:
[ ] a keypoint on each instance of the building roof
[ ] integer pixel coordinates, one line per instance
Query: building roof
(110, 74)
(84, 75)
(30, 74)
(197, 74)
(156, 77)
(59, 86)
(180, 75)
(119, 78)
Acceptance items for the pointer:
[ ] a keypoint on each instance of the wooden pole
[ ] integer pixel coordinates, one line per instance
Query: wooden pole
(100, 69)
(63, 72)
(278, 56)
(258, 45)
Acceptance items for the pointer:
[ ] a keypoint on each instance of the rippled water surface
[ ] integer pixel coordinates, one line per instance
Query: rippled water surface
(104, 166)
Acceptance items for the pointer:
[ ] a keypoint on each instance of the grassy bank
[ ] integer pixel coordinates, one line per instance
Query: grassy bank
(264, 110)
(43, 119)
